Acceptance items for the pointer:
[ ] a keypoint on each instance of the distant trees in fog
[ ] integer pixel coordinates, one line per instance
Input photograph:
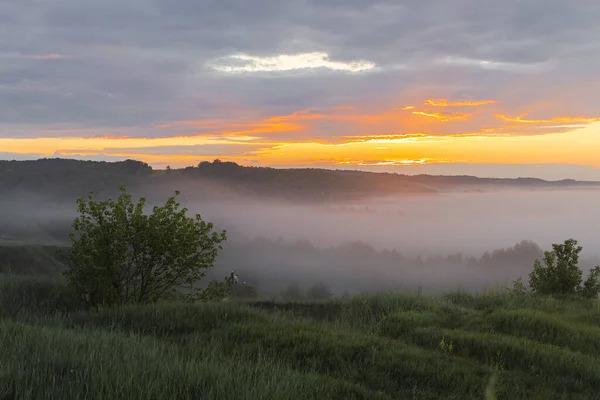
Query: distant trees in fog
(263, 252)
(316, 291)
(292, 292)
(319, 291)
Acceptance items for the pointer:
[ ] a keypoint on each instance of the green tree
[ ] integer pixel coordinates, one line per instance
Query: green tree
(121, 255)
(215, 291)
(560, 273)
(591, 286)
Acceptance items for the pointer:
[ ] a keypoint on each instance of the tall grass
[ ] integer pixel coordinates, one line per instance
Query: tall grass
(57, 363)
(457, 346)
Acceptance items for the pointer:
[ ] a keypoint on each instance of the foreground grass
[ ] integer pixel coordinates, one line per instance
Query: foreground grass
(389, 346)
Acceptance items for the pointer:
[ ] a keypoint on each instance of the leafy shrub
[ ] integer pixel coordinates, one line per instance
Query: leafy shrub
(121, 255)
(518, 288)
(591, 286)
(561, 274)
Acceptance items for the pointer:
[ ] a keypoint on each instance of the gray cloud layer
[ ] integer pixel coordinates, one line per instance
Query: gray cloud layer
(134, 63)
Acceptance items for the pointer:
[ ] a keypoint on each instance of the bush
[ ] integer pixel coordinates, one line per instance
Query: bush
(591, 286)
(561, 274)
(121, 255)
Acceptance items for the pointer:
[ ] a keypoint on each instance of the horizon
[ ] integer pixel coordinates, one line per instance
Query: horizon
(482, 89)
(350, 168)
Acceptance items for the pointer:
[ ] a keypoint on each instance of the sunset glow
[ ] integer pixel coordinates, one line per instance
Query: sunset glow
(318, 138)
(571, 147)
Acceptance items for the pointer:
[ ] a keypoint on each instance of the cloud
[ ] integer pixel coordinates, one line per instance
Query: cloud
(287, 62)
(444, 117)
(555, 120)
(495, 65)
(446, 103)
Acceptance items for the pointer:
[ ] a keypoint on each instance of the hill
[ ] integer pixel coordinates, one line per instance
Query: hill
(409, 346)
(58, 178)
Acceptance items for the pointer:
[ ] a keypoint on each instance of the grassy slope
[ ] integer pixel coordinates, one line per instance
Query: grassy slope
(375, 347)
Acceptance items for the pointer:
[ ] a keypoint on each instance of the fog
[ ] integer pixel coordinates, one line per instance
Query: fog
(274, 243)
(444, 223)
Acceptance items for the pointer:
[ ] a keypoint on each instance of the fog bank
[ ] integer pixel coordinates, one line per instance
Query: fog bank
(379, 244)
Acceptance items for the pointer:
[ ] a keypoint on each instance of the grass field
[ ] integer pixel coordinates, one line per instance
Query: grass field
(388, 346)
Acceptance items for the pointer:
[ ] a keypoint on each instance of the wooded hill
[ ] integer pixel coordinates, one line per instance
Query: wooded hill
(64, 177)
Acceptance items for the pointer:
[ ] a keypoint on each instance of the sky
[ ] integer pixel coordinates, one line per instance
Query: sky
(480, 87)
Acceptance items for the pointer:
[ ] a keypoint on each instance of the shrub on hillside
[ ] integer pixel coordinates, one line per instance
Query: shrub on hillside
(121, 255)
(591, 286)
(560, 273)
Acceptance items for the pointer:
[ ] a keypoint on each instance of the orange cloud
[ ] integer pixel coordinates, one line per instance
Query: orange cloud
(444, 117)
(446, 103)
(262, 128)
(414, 121)
(276, 124)
(559, 120)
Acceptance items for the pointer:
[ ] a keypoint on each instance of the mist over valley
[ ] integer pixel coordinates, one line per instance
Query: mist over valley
(437, 233)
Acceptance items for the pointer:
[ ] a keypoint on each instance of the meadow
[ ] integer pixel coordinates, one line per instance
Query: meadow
(493, 345)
